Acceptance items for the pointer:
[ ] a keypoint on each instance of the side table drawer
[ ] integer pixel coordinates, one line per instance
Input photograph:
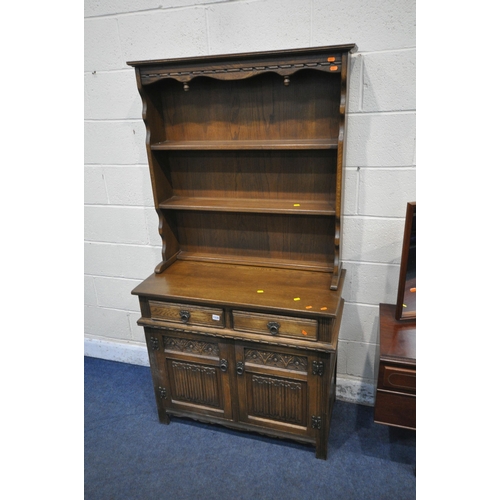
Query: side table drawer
(276, 326)
(396, 409)
(187, 314)
(397, 379)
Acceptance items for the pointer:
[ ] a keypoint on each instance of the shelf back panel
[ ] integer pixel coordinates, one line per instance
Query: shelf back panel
(258, 108)
(283, 239)
(260, 175)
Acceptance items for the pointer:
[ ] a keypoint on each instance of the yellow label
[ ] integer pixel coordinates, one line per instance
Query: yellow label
(260, 291)
(296, 298)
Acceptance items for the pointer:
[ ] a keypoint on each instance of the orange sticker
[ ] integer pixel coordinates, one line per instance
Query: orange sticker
(331, 59)
(309, 307)
(413, 290)
(304, 332)
(334, 68)
(324, 308)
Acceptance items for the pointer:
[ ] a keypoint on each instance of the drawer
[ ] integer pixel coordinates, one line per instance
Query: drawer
(276, 326)
(395, 409)
(187, 314)
(398, 379)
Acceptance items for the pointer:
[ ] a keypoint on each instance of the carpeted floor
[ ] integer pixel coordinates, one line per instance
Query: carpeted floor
(130, 455)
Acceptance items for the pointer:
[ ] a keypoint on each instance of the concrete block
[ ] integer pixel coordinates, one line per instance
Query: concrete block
(112, 95)
(106, 7)
(94, 186)
(389, 81)
(258, 26)
(351, 181)
(355, 83)
(382, 25)
(115, 293)
(359, 323)
(102, 45)
(370, 284)
(381, 140)
(137, 332)
(386, 192)
(90, 295)
(115, 142)
(115, 224)
(100, 8)
(108, 323)
(358, 359)
(372, 239)
(164, 34)
(128, 185)
(152, 223)
(125, 261)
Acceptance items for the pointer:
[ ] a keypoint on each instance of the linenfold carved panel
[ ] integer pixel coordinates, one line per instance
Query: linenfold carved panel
(278, 399)
(195, 384)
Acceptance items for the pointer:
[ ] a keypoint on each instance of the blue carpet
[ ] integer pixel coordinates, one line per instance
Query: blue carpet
(130, 455)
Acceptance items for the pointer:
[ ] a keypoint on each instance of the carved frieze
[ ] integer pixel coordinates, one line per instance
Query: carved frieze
(333, 64)
(191, 346)
(278, 360)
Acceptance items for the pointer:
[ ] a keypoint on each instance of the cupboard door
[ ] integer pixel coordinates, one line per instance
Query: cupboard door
(276, 388)
(191, 374)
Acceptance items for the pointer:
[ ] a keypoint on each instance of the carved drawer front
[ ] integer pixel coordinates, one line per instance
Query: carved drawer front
(187, 314)
(398, 379)
(276, 326)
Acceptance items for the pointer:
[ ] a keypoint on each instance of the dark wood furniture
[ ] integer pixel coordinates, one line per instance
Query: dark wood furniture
(396, 396)
(242, 314)
(406, 304)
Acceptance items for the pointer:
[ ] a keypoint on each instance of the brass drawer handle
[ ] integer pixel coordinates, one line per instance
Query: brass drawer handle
(274, 327)
(184, 316)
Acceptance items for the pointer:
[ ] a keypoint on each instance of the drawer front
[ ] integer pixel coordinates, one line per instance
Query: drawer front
(187, 314)
(395, 409)
(276, 326)
(398, 379)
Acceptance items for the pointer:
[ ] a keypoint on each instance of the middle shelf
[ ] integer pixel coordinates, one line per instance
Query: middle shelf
(255, 205)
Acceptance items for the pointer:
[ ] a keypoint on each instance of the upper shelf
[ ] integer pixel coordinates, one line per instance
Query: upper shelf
(245, 144)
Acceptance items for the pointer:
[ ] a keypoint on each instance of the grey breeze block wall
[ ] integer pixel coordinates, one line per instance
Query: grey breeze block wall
(122, 244)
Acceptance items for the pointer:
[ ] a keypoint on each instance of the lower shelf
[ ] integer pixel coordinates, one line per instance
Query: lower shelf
(257, 262)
